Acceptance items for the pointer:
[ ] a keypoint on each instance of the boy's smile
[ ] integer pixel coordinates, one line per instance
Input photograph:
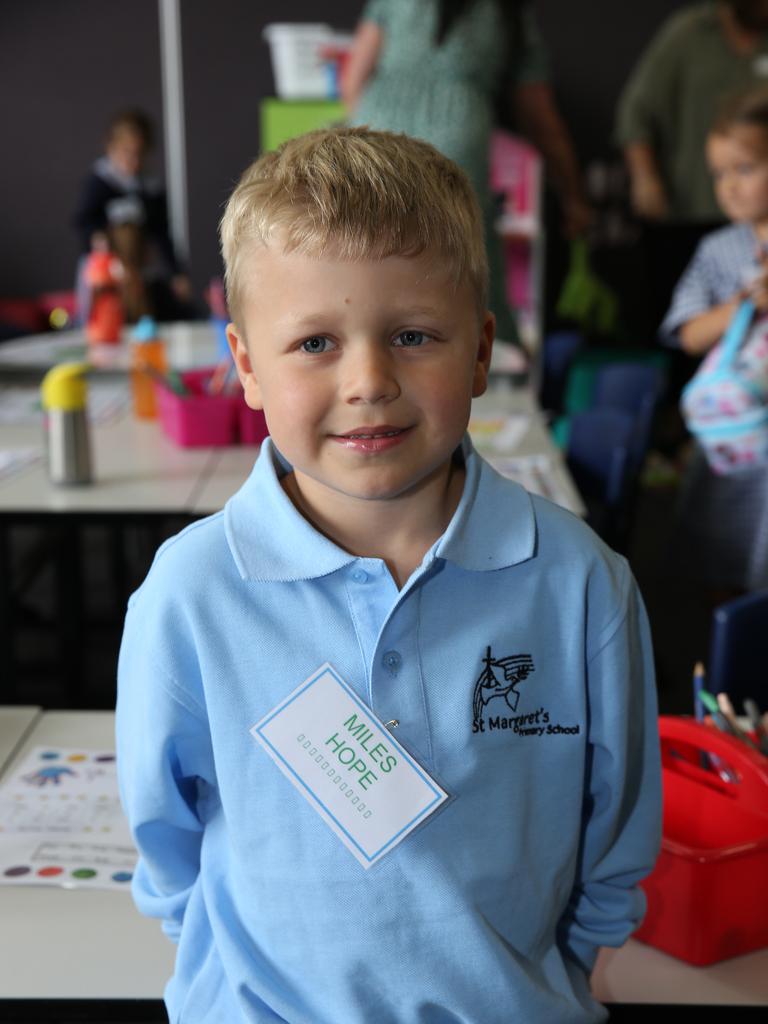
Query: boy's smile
(365, 371)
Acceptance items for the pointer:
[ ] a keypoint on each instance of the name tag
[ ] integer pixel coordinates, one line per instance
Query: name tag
(360, 780)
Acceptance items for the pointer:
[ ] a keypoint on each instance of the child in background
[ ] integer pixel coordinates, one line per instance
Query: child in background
(118, 198)
(495, 632)
(723, 539)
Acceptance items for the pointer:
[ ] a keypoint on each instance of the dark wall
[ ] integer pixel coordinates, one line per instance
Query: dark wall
(227, 72)
(593, 46)
(67, 65)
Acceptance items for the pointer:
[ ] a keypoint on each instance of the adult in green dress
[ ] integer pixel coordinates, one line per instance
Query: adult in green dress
(435, 69)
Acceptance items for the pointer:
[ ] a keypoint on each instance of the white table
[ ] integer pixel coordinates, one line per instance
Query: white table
(188, 344)
(637, 973)
(15, 722)
(120, 954)
(137, 469)
(78, 943)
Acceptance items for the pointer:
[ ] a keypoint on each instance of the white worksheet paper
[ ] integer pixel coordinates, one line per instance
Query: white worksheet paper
(361, 781)
(61, 822)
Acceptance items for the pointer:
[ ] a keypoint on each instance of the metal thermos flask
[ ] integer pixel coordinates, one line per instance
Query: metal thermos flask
(64, 398)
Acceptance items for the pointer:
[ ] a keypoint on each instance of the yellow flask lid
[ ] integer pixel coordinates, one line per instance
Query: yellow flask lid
(64, 387)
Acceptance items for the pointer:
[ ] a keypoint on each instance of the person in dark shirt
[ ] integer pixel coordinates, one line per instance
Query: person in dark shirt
(118, 198)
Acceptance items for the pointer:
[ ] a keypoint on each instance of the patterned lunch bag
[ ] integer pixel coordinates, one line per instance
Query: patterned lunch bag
(725, 404)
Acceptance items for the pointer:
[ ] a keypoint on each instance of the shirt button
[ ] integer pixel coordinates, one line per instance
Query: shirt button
(392, 661)
(359, 575)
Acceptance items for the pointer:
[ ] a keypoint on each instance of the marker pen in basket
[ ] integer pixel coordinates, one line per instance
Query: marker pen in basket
(174, 381)
(761, 733)
(710, 703)
(698, 707)
(171, 379)
(724, 703)
(219, 377)
(698, 686)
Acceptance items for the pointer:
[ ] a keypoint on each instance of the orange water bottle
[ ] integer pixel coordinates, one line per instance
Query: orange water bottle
(148, 360)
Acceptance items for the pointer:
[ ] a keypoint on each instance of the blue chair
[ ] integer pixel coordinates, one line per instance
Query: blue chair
(634, 388)
(598, 451)
(558, 351)
(738, 652)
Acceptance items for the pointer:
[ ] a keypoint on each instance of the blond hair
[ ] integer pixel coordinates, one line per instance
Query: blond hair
(355, 194)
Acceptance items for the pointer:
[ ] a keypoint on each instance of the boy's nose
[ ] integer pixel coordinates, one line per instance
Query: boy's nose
(369, 375)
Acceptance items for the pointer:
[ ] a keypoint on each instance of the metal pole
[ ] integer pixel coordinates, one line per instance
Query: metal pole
(173, 116)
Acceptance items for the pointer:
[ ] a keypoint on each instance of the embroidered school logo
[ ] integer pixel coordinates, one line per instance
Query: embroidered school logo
(514, 669)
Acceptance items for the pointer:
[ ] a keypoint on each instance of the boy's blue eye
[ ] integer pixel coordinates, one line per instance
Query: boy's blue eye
(316, 345)
(411, 339)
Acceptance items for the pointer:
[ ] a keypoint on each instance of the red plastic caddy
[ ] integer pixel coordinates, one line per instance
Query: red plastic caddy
(708, 894)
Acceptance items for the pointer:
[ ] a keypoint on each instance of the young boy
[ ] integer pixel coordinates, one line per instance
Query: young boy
(492, 648)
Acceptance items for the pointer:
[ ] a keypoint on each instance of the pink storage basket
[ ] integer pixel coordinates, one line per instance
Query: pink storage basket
(200, 420)
(196, 420)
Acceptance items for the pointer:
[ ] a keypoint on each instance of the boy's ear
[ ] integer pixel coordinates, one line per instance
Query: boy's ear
(242, 360)
(483, 362)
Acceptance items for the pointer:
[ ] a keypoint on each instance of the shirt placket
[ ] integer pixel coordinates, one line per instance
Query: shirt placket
(386, 623)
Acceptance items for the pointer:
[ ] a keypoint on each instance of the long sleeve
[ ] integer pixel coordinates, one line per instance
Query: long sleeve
(621, 817)
(692, 296)
(165, 769)
(156, 206)
(723, 263)
(91, 211)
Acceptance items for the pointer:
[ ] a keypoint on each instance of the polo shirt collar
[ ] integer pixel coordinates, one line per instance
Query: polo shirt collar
(504, 534)
(494, 525)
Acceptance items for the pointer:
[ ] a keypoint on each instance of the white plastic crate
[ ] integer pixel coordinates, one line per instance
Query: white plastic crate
(300, 72)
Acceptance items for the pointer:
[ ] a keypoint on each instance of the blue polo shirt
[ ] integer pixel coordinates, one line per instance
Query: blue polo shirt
(494, 909)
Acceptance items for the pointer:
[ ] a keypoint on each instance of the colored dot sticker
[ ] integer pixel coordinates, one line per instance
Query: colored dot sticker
(84, 873)
(50, 872)
(17, 872)
(122, 876)
(49, 755)
(105, 757)
(77, 757)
